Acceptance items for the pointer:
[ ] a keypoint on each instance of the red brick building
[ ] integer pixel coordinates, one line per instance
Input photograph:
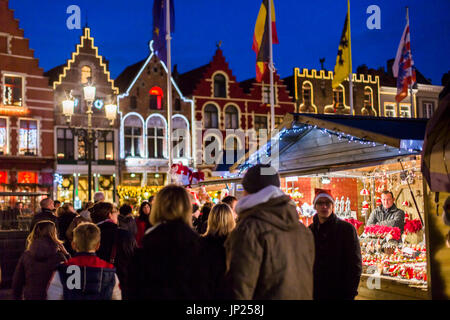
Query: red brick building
(222, 104)
(26, 117)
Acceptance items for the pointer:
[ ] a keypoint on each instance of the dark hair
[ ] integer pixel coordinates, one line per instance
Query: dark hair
(145, 217)
(388, 192)
(259, 177)
(56, 202)
(206, 209)
(229, 200)
(195, 207)
(125, 210)
(151, 199)
(101, 211)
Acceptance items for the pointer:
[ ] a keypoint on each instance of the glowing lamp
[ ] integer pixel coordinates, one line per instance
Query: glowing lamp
(111, 112)
(68, 106)
(89, 93)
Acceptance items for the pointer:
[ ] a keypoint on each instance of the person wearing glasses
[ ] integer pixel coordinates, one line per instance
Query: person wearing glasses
(338, 264)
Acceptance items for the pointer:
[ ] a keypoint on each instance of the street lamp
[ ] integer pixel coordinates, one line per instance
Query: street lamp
(89, 135)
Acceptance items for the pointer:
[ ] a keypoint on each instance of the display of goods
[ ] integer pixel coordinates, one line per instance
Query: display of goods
(378, 231)
(412, 226)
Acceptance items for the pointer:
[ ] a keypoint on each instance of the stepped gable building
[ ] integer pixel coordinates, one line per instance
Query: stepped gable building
(223, 105)
(144, 127)
(27, 160)
(85, 64)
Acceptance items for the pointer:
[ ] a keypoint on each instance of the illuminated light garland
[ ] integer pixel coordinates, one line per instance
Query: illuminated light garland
(302, 129)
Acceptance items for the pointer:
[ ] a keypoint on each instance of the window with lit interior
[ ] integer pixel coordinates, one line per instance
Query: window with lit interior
(133, 136)
(156, 135)
(28, 138)
(13, 91)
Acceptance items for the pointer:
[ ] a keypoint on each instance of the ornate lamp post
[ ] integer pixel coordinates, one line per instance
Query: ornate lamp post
(88, 134)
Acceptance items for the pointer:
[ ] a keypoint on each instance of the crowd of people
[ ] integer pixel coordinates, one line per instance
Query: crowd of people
(251, 248)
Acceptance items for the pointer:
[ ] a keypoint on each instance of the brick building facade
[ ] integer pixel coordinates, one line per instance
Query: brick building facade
(27, 160)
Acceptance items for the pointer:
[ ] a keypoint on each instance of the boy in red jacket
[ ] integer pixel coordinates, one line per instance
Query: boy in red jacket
(85, 276)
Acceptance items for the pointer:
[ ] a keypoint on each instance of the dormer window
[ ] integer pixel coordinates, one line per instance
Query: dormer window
(220, 86)
(156, 95)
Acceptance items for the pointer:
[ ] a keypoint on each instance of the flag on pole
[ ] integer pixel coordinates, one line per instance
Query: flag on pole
(159, 27)
(261, 38)
(343, 67)
(403, 66)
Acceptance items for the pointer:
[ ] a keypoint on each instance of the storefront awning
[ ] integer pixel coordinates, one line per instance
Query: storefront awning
(324, 143)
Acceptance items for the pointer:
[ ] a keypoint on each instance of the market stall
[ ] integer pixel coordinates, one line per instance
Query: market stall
(357, 158)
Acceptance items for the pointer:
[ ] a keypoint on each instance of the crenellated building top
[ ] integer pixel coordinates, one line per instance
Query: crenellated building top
(328, 75)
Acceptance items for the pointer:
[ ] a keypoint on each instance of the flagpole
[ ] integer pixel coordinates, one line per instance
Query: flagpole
(169, 93)
(350, 76)
(410, 69)
(271, 69)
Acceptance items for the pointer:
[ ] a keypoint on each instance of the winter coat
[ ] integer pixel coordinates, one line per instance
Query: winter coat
(141, 226)
(392, 217)
(64, 222)
(112, 236)
(45, 214)
(97, 280)
(169, 266)
(338, 265)
(34, 270)
(270, 254)
(128, 223)
(215, 259)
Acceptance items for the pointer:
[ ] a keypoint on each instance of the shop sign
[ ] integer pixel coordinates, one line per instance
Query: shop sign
(27, 177)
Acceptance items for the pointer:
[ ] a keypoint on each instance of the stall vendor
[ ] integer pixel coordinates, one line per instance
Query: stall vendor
(387, 214)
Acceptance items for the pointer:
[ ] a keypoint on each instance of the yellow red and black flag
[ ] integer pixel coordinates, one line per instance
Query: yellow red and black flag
(261, 44)
(343, 67)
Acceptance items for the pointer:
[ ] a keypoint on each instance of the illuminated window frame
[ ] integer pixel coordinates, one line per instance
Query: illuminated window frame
(403, 112)
(19, 136)
(16, 75)
(390, 110)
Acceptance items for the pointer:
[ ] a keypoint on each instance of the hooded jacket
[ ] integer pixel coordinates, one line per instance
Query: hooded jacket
(34, 270)
(270, 254)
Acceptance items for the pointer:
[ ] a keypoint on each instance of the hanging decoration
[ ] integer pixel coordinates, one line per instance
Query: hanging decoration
(184, 175)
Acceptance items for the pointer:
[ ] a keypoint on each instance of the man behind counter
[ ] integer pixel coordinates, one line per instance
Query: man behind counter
(387, 214)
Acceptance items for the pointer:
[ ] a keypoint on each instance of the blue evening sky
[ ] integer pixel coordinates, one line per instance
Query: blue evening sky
(307, 31)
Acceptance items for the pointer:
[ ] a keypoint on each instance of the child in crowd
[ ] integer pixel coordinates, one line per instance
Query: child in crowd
(85, 276)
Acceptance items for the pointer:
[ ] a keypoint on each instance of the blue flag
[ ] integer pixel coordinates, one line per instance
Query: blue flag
(159, 27)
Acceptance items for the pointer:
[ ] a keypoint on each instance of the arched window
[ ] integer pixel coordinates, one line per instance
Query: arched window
(368, 99)
(133, 136)
(156, 98)
(307, 93)
(86, 73)
(220, 86)
(156, 133)
(231, 117)
(210, 116)
(210, 154)
(338, 97)
(180, 139)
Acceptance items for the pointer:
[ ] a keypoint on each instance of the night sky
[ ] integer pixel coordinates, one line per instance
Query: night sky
(307, 31)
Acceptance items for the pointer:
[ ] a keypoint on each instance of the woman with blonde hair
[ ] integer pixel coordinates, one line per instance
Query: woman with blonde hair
(168, 266)
(44, 252)
(220, 224)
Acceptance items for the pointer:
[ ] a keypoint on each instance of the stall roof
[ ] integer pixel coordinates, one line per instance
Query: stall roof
(313, 143)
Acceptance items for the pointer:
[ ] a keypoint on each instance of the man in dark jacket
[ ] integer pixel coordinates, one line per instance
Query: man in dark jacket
(116, 245)
(388, 214)
(46, 213)
(338, 264)
(126, 219)
(270, 254)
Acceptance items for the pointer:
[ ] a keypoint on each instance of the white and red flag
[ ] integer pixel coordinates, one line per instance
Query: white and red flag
(403, 66)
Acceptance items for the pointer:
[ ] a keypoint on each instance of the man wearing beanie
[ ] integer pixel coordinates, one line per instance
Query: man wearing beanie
(270, 254)
(337, 265)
